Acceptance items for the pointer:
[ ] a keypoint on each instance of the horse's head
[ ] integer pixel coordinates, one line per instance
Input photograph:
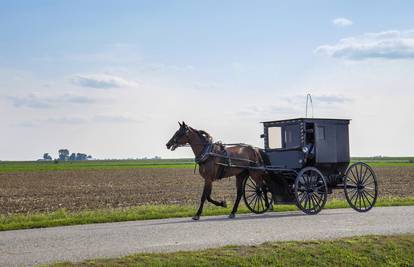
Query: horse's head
(180, 138)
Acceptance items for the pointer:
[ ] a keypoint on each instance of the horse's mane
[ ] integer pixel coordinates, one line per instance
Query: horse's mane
(206, 135)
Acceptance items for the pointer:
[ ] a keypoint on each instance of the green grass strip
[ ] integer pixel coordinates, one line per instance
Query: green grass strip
(40, 166)
(147, 212)
(396, 250)
(16, 167)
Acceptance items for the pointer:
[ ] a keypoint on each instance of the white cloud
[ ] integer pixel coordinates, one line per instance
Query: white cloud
(331, 99)
(38, 101)
(72, 120)
(342, 22)
(383, 45)
(292, 106)
(114, 119)
(67, 120)
(101, 81)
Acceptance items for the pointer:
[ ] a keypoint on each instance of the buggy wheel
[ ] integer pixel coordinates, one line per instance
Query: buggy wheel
(310, 190)
(257, 198)
(361, 187)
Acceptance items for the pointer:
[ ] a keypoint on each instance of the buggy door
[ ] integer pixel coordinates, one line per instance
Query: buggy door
(325, 141)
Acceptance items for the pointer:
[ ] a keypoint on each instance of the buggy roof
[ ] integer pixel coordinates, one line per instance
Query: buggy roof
(296, 120)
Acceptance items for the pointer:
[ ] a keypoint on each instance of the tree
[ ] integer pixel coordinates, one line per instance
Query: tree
(63, 154)
(81, 156)
(46, 156)
(72, 156)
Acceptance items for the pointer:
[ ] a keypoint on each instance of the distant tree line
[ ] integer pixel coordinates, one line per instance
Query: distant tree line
(64, 155)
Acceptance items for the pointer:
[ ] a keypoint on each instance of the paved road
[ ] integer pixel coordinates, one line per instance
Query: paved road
(76, 243)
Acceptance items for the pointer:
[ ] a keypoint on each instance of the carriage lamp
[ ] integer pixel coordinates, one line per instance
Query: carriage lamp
(305, 149)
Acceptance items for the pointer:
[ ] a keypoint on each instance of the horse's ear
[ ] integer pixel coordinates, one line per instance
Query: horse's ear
(184, 124)
(179, 124)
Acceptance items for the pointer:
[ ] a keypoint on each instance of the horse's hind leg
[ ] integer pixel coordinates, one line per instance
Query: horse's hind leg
(239, 182)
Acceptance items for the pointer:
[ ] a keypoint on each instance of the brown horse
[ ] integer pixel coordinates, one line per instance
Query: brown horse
(215, 162)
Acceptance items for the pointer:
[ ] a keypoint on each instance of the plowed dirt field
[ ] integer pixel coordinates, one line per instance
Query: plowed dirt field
(29, 192)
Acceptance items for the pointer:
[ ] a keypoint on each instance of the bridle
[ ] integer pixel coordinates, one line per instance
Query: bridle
(207, 141)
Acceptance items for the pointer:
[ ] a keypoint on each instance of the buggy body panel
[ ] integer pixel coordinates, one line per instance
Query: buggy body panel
(316, 142)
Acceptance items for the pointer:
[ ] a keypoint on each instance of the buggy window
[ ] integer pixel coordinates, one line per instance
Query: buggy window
(291, 136)
(320, 133)
(275, 137)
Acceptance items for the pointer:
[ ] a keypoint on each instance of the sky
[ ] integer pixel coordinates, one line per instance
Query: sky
(112, 78)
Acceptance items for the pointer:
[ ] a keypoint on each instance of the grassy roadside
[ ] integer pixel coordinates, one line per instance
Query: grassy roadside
(147, 212)
(394, 250)
(39, 166)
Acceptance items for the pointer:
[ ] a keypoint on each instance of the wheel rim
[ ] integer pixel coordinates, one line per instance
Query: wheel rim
(310, 191)
(256, 197)
(361, 187)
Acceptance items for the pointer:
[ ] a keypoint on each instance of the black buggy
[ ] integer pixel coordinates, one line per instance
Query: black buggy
(305, 159)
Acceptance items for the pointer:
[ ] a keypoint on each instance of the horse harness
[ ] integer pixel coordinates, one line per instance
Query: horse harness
(209, 151)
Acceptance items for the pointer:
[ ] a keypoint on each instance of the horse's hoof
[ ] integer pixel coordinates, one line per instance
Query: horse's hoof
(232, 216)
(224, 204)
(196, 218)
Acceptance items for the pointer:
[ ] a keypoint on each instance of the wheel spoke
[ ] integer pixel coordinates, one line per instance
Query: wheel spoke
(352, 189)
(303, 197)
(306, 179)
(356, 199)
(372, 182)
(254, 188)
(319, 198)
(360, 172)
(251, 201)
(306, 200)
(264, 202)
(316, 201)
(356, 178)
(255, 202)
(369, 194)
(351, 180)
(351, 177)
(356, 192)
(309, 202)
(319, 187)
(313, 202)
(261, 204)
(363, 177)
(301, 193)
(249, 196)
(369, 202)
(249, 190)
(356, 171)
(363, 200)
(366, 179)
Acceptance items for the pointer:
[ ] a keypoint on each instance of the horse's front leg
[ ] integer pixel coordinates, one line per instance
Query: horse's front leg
(209, 199)
(207, 184)
(239, 185)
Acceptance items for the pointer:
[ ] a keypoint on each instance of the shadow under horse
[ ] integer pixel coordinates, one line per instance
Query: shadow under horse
(215, 162)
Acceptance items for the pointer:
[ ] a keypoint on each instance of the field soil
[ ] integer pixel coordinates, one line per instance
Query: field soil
(29, 192)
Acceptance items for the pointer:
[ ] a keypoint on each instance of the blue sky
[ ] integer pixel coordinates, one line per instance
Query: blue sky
(111, 78)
